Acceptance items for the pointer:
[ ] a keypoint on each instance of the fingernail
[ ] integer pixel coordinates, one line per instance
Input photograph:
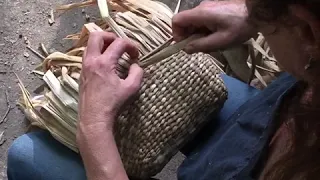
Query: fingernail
(189, 49)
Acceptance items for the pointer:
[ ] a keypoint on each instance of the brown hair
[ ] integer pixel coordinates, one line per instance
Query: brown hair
(271, 10)
(303, 158)
(302, 161)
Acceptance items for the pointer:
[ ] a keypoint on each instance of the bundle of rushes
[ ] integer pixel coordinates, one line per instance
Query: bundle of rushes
(177, 95)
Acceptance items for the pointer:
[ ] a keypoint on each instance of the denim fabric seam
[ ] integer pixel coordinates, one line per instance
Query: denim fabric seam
(263, 136)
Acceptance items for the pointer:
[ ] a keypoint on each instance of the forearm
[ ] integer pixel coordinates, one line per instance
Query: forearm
(102, 93)
(99, 151)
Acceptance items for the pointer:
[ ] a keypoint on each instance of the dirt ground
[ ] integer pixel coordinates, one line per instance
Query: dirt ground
(26, 21)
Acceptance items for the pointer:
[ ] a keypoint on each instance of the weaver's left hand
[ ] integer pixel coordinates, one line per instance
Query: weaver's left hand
(102, 92)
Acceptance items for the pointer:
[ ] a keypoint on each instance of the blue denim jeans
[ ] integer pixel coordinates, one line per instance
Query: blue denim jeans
(229, 147)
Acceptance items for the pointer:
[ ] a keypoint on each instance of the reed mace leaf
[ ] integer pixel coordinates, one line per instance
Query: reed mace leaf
(147, 24)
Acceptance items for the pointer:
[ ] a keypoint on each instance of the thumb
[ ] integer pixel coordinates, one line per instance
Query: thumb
(134, 78)
(212, 42)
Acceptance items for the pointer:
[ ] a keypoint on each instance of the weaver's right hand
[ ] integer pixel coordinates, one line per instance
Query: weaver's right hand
(223, 22)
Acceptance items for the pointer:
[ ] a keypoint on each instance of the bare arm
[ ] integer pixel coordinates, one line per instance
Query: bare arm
(99, 152)
(102, 93)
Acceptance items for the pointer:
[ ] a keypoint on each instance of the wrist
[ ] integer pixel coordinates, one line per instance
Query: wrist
(100, 155)
(98, 110)
(99, 118)
(90, 136)
(92, 126)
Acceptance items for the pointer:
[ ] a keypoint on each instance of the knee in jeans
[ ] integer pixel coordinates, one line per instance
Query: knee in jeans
(20, 152)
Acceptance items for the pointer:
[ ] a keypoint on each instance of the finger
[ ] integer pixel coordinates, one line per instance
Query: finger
(212, 42)
(118, 48)
(97, 41)
(186, 22)
(180, 23)
(84, 53)
(205, 2)
(134, 78)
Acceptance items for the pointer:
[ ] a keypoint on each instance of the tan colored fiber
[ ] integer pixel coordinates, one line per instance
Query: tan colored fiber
(178, 92)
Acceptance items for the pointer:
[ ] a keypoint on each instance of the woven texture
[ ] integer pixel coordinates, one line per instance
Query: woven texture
(176, 97)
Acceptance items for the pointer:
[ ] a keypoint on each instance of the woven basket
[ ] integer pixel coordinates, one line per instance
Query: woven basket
(177, 95)
(175, 100)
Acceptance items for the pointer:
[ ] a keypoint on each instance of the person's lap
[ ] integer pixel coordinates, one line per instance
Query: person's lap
(37, 155)
(238, 94)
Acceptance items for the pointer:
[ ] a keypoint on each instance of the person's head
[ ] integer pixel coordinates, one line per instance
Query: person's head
(292, 29)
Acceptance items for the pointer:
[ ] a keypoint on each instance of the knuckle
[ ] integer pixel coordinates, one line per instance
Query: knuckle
(89, 66)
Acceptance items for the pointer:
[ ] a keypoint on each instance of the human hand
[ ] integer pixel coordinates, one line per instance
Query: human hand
(223, 22)
(102, 92)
